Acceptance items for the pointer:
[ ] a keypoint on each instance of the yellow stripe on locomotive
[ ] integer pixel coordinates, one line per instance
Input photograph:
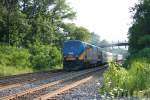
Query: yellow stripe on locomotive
(82, 56)
(70, 58)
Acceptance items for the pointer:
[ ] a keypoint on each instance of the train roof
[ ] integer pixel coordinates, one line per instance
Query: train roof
(73, 41)
(82, 42)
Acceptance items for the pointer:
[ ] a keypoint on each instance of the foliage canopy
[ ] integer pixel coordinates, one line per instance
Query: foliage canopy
(139, 32)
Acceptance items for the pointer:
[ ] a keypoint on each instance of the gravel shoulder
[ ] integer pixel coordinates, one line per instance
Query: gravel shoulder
(86, 91)
(19, 89)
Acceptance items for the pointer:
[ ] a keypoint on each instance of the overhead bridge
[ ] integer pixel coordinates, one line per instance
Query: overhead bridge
(115, 44)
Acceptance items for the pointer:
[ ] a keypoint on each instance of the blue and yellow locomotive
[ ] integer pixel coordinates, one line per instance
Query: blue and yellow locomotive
(80, 55)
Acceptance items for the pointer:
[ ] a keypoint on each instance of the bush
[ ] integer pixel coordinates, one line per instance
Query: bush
(45, 56)
(114, 80)
(139, 75)
(132, 82)
(143, 54)
(13, 56)
(15, 60)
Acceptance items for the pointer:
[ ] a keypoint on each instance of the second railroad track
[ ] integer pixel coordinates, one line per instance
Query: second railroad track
(50, 87)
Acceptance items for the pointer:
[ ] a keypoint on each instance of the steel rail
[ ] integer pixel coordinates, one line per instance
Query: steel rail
(25, 82)
(31, 90)
(65, 88)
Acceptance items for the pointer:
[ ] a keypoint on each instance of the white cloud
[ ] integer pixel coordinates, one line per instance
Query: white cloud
(108, 18)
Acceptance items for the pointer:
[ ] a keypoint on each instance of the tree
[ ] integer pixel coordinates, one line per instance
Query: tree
(76, 33)
(46, 18)
(139, 32)
(13, 25)
(95, 39)
(82, 33)
(24, 22)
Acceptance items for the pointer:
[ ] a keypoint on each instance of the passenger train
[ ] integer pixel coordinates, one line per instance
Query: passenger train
(81, 55)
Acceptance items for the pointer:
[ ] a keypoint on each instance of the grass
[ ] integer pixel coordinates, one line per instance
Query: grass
(11, 70)
(14, 60)
(132, 82)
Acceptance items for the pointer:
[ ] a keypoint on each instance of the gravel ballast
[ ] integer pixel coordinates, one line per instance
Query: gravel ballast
(24, 87)
(86, 91)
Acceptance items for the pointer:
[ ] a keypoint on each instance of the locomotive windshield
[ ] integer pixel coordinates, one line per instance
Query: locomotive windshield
(73, 48)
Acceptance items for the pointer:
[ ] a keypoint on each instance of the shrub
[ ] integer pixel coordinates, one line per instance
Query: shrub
(15, 60)
(13, 56)
(114, 80)
(45, 56)
(132, 82)
(143, 54)
(139, 75)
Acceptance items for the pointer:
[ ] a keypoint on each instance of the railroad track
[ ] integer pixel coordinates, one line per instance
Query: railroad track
(10, 79)
(50, 87)
(18, 80)
(27, 74)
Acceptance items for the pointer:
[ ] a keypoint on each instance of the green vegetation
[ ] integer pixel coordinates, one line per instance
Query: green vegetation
(45, 56)
(13, 56)
(20, 60)
(76, 33)
(32, 33)
(14, 60)
(139, 32)
(13, 70)
(121, 82)
(133, 78)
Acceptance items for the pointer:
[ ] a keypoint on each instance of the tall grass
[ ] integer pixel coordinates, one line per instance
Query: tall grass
(14, 60)
(134, 81)
(12, 70)
(13, 56)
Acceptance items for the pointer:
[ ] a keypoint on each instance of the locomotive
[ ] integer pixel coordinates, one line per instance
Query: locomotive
(81, 55)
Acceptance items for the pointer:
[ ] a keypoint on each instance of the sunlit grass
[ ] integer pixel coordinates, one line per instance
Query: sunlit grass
(132, 82)
(12, 70)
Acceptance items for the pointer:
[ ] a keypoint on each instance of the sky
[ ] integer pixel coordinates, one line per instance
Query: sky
(110, 19)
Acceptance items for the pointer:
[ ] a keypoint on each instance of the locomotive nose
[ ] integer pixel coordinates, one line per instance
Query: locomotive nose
(72, 55)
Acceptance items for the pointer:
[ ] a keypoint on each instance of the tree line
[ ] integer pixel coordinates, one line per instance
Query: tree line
(139, 32)
(32, 33)
(133, 80)
(24, 22)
